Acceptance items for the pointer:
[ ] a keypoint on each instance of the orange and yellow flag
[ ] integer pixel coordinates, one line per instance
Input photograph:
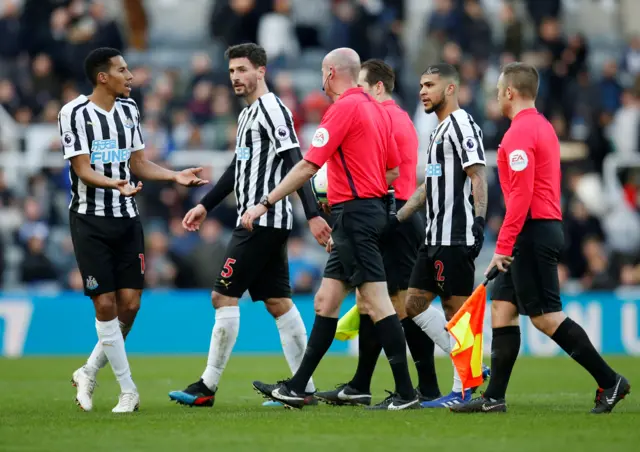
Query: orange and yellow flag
(466, 328)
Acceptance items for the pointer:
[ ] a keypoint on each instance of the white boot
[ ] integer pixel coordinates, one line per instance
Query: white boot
(128, 402)
(84, 385)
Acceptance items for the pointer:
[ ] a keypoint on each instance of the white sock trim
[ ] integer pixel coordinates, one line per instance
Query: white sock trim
(293, 337)
(223, 338)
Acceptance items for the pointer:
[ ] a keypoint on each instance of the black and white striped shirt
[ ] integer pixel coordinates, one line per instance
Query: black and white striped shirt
(109, 138)
(455, 145)
(265, 129)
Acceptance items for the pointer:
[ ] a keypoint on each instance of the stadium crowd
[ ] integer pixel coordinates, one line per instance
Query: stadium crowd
(590, 91)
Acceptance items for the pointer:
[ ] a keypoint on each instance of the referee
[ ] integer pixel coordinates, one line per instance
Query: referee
(529, 245)
(355, 139)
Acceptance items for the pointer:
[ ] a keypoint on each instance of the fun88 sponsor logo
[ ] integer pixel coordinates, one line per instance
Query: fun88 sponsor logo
(106, 151)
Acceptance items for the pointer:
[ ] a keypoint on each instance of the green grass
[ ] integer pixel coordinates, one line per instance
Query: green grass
(549, 400)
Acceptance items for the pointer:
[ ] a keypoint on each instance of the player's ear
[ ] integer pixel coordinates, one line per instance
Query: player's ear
(261, 72)
(102, 77)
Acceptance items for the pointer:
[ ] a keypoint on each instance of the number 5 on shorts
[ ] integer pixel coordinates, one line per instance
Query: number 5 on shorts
(227, 268)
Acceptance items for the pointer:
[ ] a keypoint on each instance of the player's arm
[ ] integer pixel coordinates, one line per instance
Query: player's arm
(521, 161)
(478, 175)
(222, 189)
(291, 158)
(76, 149)
(415, 202)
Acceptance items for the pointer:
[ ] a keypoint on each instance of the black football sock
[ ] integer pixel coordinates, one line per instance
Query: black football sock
(421, 347)
(369, 349)
(574, 341)
(504, 351)
(391, 337)
(324, 329)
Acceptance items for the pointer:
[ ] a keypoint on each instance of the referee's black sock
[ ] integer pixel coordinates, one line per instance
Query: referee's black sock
(421, 347)
(391, 337)
(369, 349)
(504, 352)
(324, 329)
(574, 341)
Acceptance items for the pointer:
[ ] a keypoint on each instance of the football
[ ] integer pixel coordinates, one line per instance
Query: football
(319, 185)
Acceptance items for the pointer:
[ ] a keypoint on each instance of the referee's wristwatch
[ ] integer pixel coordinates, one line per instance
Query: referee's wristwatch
(265, 202)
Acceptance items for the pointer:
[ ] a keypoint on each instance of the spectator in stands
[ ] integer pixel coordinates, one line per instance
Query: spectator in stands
(10, 46)
(610, 89)
(36, 266)
(160, 271)
(513, 30)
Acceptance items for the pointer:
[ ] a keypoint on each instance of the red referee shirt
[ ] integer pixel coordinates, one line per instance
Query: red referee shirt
(407, 141)
(355, 138)
(529, 170)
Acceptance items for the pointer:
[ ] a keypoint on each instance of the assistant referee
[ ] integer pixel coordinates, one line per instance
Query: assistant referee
(355, 139)
(528, 248)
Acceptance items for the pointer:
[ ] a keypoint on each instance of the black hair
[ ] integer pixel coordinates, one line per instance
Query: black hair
(99, 60)
(443, 70)
(253, 52)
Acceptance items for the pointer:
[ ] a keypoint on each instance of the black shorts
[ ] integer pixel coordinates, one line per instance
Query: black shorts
(256, 261)
(400, 251)
(356, 257)
(109, 252)
(531, 282)
(446, 271)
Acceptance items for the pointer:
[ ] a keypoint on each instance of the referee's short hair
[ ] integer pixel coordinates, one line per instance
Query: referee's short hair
(379, 71)
(444, 70)
(253, 52)
(99, 60)
(523, 77)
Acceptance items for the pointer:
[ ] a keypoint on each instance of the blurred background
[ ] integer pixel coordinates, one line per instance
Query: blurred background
(587, 52)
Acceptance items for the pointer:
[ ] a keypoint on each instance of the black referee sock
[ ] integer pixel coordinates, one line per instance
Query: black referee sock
(504, 351)
(324, 329)
(574, 341)
(421, 347)
(391, 337)
(369, 349)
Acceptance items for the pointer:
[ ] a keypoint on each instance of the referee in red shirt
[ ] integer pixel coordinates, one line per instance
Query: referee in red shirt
(355, 139)
(529, 245)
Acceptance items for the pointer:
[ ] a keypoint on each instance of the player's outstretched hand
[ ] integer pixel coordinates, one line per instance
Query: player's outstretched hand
(320, 230)
(189, 178)
(126, 189)
(252, 215)
(194, 218)
(500, 261)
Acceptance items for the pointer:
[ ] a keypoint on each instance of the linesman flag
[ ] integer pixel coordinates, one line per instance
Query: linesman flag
(466, 328)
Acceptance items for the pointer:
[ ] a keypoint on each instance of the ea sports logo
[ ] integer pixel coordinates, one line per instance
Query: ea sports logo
(518, 160)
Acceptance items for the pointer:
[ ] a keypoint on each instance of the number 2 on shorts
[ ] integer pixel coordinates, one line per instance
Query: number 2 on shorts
(227, 268)
(439, 269)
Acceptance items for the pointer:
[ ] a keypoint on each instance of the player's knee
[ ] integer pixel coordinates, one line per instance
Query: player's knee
(219, 301)
(278, 307)
(105, 306)
(416, 303)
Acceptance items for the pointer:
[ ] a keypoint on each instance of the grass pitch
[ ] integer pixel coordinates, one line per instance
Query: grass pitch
(549, 400)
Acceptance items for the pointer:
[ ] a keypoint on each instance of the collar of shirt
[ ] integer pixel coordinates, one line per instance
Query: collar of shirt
(350, 91)
(388, 102)
(525, 112)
